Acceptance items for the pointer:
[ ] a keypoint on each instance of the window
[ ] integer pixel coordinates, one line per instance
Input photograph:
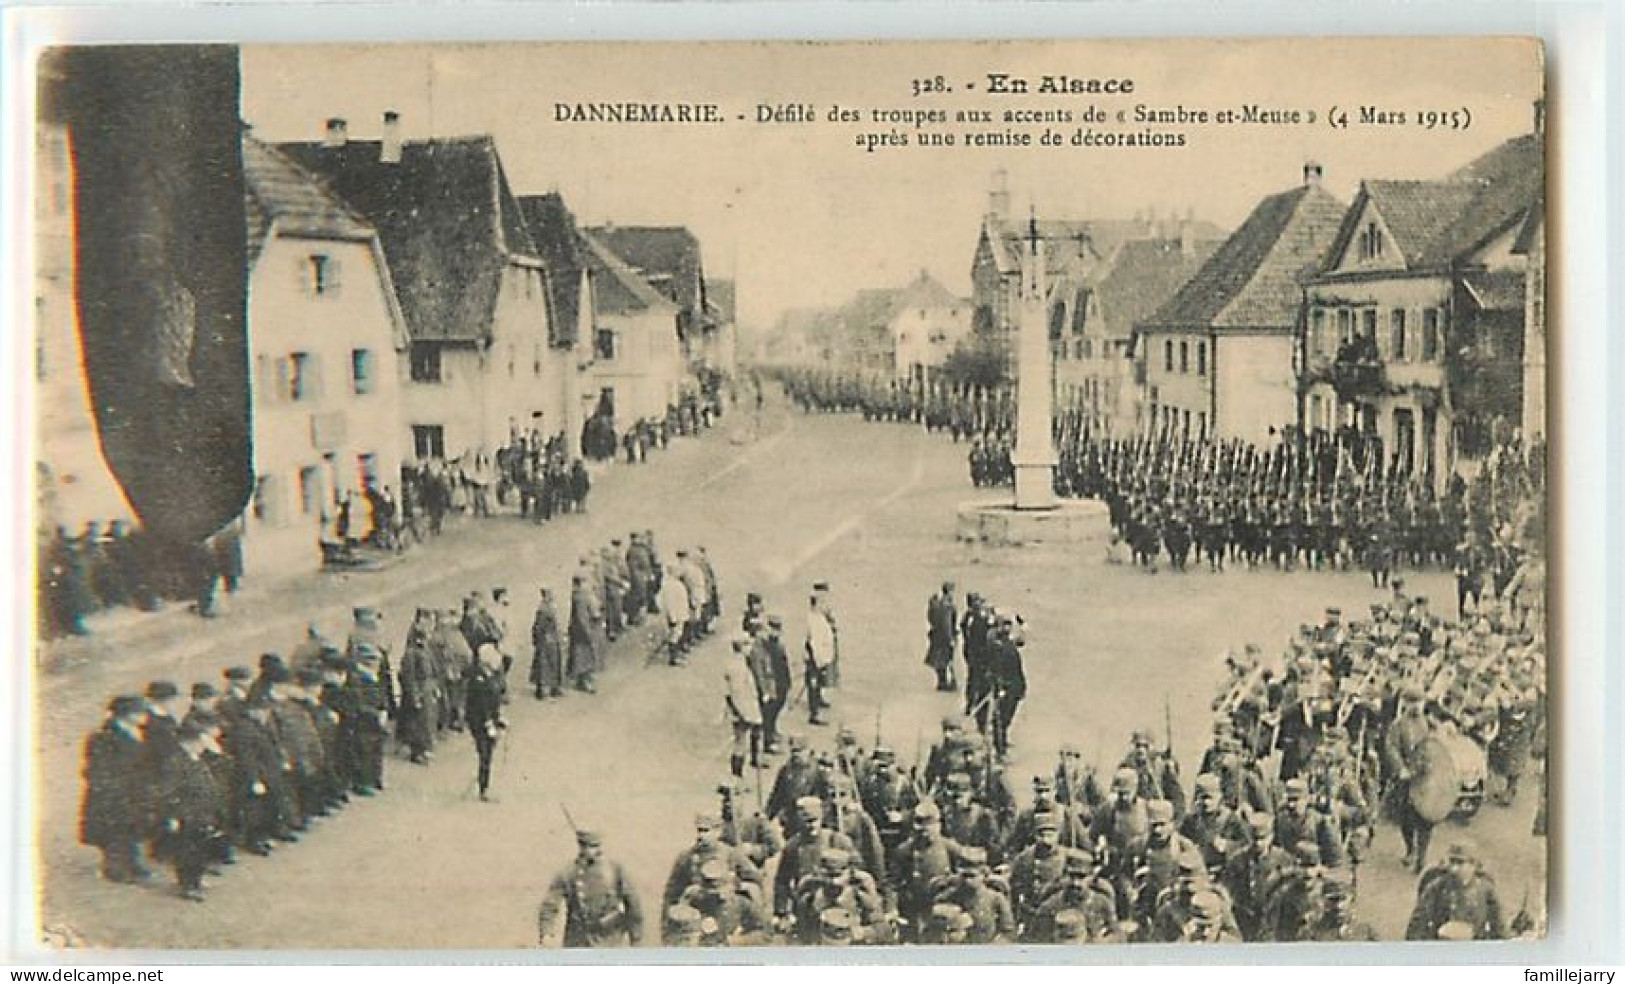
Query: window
(1185, 357)
(322, 274)
(426, 366)
(1201, 358)
(1201, 423)
(1371, 242)
(1168, 356)
(1430, 334)
(304, 377)
(366, 466)
(1368, 323)
(1319, 344)
(428, 441)
(1345, 326)
(310, 491)
(361, 371)
(603, 345)
(1396, 333)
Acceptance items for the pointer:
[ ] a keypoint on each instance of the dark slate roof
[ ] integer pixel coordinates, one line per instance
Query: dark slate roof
(1141, 276)
(1416, 213)
(616, 287)
(1439, 223)
(447, 219)
(277, 189)
(1253, 280)
(552, 229)
(668, 257)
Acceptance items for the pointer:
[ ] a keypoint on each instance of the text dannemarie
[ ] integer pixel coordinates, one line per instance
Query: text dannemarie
(636, 112)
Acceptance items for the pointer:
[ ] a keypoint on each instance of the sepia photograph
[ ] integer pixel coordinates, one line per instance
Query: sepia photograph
(518, 496)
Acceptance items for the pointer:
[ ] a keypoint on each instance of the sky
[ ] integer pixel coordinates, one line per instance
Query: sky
(800, 217)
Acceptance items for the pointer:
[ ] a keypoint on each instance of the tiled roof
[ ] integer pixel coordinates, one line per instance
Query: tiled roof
(668, 257)
(276, 189)
(448, 222)
(552, 229)
(616, 287)
(1416, 213)
(1253, 280)
(1141, 276)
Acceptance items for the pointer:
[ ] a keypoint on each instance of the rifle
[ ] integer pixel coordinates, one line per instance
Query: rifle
(1168, 726)
(569, 819)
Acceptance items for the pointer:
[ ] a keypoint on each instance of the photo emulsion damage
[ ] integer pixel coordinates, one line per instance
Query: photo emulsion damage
(779, 495)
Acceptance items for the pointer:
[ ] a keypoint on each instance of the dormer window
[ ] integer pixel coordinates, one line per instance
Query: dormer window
(1371, 242)
(322, 274)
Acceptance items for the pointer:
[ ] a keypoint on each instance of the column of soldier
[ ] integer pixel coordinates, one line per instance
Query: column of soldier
(257, 760)
(849, 846)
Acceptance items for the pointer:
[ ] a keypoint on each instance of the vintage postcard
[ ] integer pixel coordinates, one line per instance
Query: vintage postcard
(791, 494)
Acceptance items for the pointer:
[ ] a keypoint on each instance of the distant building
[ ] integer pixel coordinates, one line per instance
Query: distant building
(669, 258)
(1415, 340)
(722, 302)
(1218, 357)
(1092, 326)
(488, 357)
(75, 484)
(926, 323)
(326, 339)
(637, 367)
(1075, 250)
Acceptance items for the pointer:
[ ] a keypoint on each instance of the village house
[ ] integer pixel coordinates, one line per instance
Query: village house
(487, 360)
(1425, 308)
(326, 337)
(669, 258)
(1218, 358)
(1075, 250)
(637, 367)
(1092, 322)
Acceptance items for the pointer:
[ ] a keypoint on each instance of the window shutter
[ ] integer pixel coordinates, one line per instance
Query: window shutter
(335, 273)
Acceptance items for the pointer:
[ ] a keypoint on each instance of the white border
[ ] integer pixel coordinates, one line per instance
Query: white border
(1583, 39)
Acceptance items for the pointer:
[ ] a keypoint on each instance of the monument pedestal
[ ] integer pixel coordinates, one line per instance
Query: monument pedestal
(1083, 523)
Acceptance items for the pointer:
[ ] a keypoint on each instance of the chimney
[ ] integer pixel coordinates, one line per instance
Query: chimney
(1312, 173)
(1540, 117)
(338, 133)
(998, 196)
(389, 147)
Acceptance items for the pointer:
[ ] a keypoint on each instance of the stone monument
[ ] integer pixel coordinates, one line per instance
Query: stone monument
(1036, 515)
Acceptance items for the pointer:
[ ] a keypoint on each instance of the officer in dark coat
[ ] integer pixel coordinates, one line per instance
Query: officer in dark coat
(778, 666)
(260, 802)
(115, 816)
(1459, 895)
(975, 627)
(547, 651)
(942, 632)
(420, 689)
(483, 710)
(189, 812)
(369, 720)
(1009, 681)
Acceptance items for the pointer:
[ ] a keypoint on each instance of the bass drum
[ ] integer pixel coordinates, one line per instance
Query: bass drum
(1471, 763)
(1435, 786)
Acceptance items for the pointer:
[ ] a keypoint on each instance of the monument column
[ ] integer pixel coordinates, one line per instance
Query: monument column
(1034, 456)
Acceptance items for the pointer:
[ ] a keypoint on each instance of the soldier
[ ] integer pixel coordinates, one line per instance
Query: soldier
(1076, 785)
(1297, 822)
(1402, 759)
(369, 702)
(1121, 829)
(1216, 830)
(1176, 905)
(743, 705)
(844, 812)
(547, 652)
(755, 835)
(1207, 924)
(454, 659)
(673, 602)
(992, 920)
(591, 903)
(967, 822)
(1008, 679)
(367, 641)
(731, 913)
(1082, 891)
(640, 579)
(821, 655)
(1251, 876)
(114, 816)
(832, 885)
(189, 812)
(261, 805)
(1158, 865)
(1156, 775)
(709, 846)
(1037, 870)
(1335, 921)
(919, 866)
(942, 633)
(301, 749)
(975, 627)
(1458, 891)
(805, 845)
(794, 780)
(586, 631)
(420, 690)
(1073, 831)
(1290, 904)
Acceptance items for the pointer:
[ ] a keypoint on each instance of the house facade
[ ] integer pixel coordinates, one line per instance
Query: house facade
(637, 366)
(1218, 358)
(486, 360)
(1091, 327)
(927, 322)
(1415, 336)
(326, 341)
